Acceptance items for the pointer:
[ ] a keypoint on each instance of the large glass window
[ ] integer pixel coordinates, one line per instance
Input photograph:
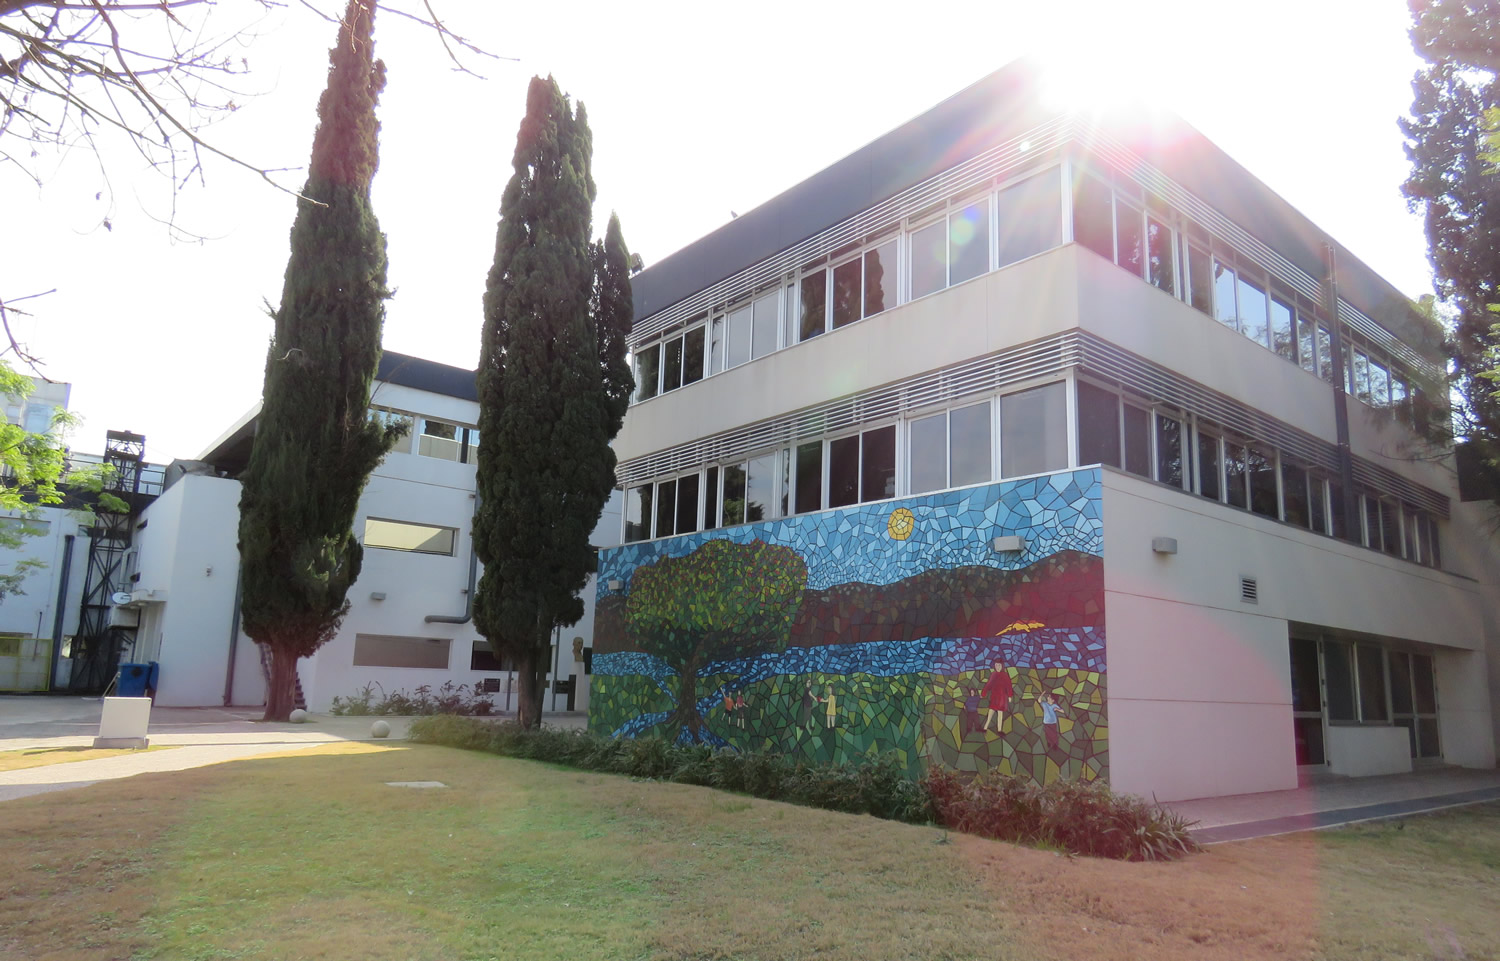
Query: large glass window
(1130, 241)
(1161, 256)
(738, 323)
(1136, 426)
(1098, 425)
(436, 438)
(969, 242)
(880, 278)
(380, 650)
(764, 313)
(1380, 384)
(1338, 680)
(734, 495)
(877, 464)
(1252, 312)
(1029, 217)
(687, 504)
(1306, 338)
(1294, 495)
(1362, 376)
(929, 259)
(1170, 468)
(1236, 475)
(1326, 360)
(1283, 336)
(1034, 431)
(1224, 295)
(1209, 484)
(843, 471)
(1372, 693)
(647, 372)
(407, 536)
(1200, 279)
(808, 478)
(1093, 216)
(927, 454)
(969, 458)
(666, 508)
(1262, 469)
(638, 513)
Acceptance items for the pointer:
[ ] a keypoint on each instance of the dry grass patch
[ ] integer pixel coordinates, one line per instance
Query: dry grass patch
(316, 858)
(43, 756)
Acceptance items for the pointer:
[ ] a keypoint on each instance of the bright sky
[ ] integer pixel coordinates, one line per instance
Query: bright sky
(697, 109)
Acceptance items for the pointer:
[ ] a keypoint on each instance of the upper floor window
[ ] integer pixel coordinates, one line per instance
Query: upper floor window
(952, 249)
(408, 536)
(446, 441)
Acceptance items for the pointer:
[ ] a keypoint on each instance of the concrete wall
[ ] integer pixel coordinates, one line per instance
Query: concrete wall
(1473, 547)
(34, 612)
(188, 556)
(1200, 696)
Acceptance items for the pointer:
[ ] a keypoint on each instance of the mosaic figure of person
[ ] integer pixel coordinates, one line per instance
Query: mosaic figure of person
(972, 702)
(832, 711)
(809, 699)
(999, 690)
(740, 709)
(1050, 710)
(728, 707)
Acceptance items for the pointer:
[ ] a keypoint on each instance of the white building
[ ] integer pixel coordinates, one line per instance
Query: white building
(409, 622)
(1006, 382)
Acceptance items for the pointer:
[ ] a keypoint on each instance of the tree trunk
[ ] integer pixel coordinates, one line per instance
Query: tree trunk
(687, 714)
(529, 697)
(281, 695)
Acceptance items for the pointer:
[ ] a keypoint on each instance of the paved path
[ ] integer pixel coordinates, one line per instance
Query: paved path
(1329, 801)
(198, 736)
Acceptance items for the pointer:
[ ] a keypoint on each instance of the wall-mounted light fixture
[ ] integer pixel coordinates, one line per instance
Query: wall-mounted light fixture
(1008, 544)
(377, 595)
(616, 585)
(1164, 545)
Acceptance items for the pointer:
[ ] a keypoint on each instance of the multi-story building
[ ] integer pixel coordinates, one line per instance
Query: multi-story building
(1042, 441)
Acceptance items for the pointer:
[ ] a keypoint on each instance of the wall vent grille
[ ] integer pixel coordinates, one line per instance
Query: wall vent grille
(1249, 590)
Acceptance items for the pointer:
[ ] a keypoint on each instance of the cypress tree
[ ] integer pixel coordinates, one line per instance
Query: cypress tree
(315, 444)
(1455, 185)
(553, 386)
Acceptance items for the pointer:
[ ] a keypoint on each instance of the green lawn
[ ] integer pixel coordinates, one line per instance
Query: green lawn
(312, 856)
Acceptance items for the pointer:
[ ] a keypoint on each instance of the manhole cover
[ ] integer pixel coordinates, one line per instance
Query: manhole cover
(415, 784)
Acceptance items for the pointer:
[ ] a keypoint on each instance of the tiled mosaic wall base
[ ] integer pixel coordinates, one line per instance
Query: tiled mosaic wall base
(953, 725)
(921, 718)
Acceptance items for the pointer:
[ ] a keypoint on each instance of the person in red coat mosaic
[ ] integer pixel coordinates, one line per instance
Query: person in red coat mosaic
(999, 691)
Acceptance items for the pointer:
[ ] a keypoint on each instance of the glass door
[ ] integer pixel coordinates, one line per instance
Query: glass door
(1414, 702)
(1307, 701)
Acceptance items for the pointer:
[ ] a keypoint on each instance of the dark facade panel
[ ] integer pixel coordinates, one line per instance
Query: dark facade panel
(428, 375)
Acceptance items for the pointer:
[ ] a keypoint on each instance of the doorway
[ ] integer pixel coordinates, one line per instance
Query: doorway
(1308, 717)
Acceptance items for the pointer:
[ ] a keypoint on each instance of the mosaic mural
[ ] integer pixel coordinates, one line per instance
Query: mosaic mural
(884, 627)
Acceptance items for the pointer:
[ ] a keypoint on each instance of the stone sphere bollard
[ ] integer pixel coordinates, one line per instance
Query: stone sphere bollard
(298, 716)
(380, 729)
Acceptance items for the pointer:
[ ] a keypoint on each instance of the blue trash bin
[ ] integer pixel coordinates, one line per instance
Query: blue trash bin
(132, 680)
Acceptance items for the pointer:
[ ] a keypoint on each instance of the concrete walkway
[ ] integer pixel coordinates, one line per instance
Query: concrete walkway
(198, 736)
(1330, 801)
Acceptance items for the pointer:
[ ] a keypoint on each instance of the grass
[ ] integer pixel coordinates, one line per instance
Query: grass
(314, 857)
(42, 756)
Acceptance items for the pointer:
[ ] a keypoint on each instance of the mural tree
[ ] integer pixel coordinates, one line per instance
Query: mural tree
(723, 600)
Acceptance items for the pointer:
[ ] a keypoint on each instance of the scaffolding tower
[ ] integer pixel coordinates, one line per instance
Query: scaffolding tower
(97, 645)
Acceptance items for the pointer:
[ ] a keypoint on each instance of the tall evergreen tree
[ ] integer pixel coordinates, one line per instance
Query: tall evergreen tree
(553, 386)
(1456, 187)
(315, 444)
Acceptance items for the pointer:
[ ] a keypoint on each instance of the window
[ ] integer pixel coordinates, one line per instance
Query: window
(814, 302)
(638, 514)
(406, 536)
(950, 449)
(445, 441)
(1161, 256)
(672, 363)
(1098, 426)
(1283, 336)
(1370, 664)
(27, 526)
(1137, 424)
(1034, 431)
(1028, 219)
(1251, 311)
(648, 372)
(1362, 376)
(1093, 217)
(969, 242)
(1306, 338)
(1224, 283)
(1209, 478)
(1326, 361)
(1338, 680)
(1295, 503)
(1380, 384)
(387, 417)
(1261, 465)
(808, 495)
(1130, 250)
(38, 419)
(382, 650)
(1170, 468)
(1236, 474)
(929, 259)
(1200, 279)
(481, 658)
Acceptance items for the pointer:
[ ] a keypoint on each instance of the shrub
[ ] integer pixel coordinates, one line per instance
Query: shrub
(449, 699)
(1078, 817)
